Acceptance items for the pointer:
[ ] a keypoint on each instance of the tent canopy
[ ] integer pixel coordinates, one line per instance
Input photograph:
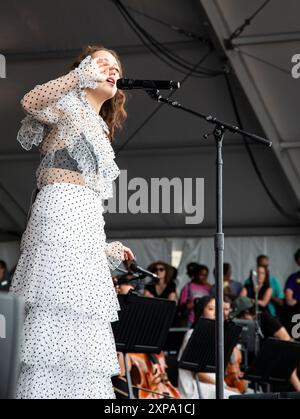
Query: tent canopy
(39, 42)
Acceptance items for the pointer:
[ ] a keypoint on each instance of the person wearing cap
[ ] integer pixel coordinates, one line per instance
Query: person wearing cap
(292, 287)
(243, 308)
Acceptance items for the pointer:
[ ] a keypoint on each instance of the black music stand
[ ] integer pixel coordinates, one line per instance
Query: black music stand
(142, 327)
(275, 362)
(247, 339)
(199, 354)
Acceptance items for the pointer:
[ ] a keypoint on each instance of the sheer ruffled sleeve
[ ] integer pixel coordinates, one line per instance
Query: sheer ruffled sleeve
(41, 101)
(115, 254)
(42, 104)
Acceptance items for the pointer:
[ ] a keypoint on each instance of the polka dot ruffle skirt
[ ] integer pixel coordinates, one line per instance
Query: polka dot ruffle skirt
(63, 274)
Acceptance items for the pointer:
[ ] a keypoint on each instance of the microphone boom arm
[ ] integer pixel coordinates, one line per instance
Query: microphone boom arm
(220, 127)
(223, 126)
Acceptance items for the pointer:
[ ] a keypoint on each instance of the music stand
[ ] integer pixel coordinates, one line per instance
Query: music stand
(143, 326)
(275, 362)
(247, 339)
(199, 354)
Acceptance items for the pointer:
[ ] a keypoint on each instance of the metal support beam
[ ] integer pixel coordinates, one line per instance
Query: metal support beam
(266, 39)
(216, 24)
(71, 52)
(289, 144)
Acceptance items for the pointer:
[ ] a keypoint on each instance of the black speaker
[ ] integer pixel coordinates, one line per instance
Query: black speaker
(11, 323)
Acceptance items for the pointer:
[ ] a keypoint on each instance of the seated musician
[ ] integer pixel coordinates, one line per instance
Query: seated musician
(243, 308)
(205, 307)
(148, 371)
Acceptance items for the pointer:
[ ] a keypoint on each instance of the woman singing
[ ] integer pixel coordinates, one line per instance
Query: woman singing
(64, 268)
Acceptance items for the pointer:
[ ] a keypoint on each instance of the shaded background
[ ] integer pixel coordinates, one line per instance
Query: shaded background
(261, 200)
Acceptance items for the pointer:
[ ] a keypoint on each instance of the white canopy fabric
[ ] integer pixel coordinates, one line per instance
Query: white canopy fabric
(39, 41)
(240, 252)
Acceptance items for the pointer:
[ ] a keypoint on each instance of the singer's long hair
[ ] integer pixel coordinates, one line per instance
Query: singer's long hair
(113, 110)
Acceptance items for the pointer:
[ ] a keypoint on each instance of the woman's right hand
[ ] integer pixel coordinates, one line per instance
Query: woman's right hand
(92, 71)
(104, 68)
(128, 254)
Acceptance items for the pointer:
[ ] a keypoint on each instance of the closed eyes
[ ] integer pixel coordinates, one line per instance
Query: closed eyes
(105, 60)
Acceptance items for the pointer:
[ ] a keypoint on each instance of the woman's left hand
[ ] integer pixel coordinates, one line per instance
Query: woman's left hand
(128, 254)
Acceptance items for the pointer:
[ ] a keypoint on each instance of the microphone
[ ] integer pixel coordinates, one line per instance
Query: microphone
(123, 271)
(129, 84)
(137, 269)
(253, 276)
(135, 280)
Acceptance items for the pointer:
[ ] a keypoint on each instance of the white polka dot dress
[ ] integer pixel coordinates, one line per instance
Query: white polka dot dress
(64, 273)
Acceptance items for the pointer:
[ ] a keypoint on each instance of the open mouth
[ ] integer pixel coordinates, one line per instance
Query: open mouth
(111, 81)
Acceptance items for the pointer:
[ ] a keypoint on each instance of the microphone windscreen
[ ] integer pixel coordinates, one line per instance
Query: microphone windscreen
(133, 267)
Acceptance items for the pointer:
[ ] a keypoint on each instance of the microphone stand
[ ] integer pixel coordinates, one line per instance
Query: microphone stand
(220, 127)
(258, 332)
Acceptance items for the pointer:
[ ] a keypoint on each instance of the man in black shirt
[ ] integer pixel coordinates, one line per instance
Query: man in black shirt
(243, 308)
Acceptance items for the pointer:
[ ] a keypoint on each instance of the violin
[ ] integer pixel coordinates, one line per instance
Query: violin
(233, 374)
(149, 376)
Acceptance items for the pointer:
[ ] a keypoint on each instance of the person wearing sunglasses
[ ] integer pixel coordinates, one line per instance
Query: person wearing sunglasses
(165, 287)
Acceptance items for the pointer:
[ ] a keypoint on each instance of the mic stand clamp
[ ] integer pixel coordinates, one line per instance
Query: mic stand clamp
(154, 94)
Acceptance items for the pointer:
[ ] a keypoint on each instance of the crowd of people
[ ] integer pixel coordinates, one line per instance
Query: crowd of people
(260, 293)
(279, 301)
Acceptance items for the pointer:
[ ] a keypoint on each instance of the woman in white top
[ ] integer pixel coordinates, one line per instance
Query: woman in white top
(187, 384)
(64, 268)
